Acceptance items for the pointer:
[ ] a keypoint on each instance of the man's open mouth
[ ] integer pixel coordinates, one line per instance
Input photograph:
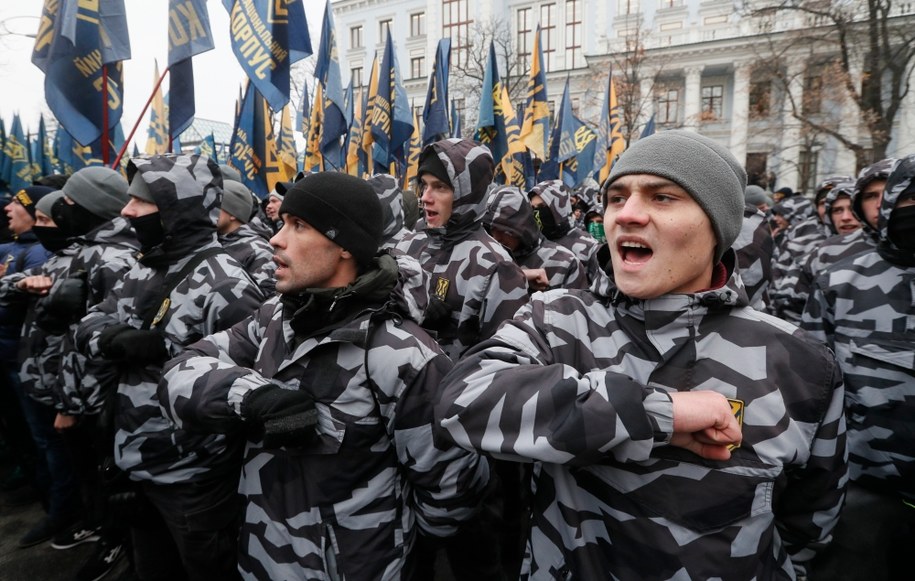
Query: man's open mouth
(634, 252)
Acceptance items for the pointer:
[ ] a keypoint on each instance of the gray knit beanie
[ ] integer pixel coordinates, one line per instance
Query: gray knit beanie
(702, 167)
(237, 200)
(44, 204)
(98, 189)
(229, 173)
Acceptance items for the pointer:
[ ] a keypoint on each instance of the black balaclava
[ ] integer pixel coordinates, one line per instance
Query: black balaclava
(149, 230)
(52, 238)
(74, 220)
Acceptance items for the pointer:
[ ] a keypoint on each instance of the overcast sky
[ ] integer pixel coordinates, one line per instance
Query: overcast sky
(217, 74)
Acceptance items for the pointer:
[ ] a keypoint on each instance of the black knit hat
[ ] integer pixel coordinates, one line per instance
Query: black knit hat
(28, 197)
(429, 162)
(342, 207)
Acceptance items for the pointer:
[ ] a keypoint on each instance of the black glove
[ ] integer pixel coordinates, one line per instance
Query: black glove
(438, 313)
(124, 343)
(284, 417)
(68, 299)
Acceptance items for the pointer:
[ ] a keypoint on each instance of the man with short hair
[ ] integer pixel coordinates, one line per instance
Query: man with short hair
(332, 384)
(629, 398)
(242, 243)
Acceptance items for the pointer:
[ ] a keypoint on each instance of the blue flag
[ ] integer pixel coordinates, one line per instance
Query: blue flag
(455, 122)
(536, 127)
(207, 147)
(649, 128)
(392, 120)
(327, 71)
(610, 142)
(252, 150)
(16, 149)
(188, 34)
(303, 115)
(435, 111)
(267, 37)
(75, 41)
(490, 123)
(3, 160)
(42, 156)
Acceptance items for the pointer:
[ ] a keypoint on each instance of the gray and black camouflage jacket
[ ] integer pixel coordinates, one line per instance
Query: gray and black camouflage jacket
(578, 383)
(39, 349)
(509, 210)
(346, 505)
(863, 307)
(105, 255)
(214, 296)
(472, 273)
(754, 247)
(254, 254)
(557, 196)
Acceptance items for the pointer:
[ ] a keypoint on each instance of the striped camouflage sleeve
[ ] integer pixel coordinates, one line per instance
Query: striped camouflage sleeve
(505, 294)
(507, 397)
(201, 388)
(818, 316)
(809, 506)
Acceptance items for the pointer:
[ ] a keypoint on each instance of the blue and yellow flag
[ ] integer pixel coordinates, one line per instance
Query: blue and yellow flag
(188, 35)
(535, 130)
(42, 156)
(207, 147)
(414, 149)
(303, 115)
(649, 128)
(267, 37)
(16, 149)
(610, 142)
(252, 150)
(74, 44)
(516, 164)
(327, 72)
(392, 120)
(2, 152)
(355, 157)
(157, 131)
(368, 140)
(490, 123)
(314, 160)
(435, 112)
(286, 152)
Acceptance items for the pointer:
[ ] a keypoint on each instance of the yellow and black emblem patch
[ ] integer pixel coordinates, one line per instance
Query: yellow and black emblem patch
(160, 314)
(737, 407)
(441, 287)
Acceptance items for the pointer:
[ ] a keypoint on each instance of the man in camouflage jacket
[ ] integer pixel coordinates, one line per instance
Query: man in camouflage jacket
(553, 213)
(754, 247)
(475, 284)
(249, 248)
(862, 307)
(190, 478)
(334, 388)
(618, 396)
(510, 220)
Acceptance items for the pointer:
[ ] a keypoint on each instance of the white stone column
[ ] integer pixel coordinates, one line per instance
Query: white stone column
(692, 106)
(789, 156)
(740, 111)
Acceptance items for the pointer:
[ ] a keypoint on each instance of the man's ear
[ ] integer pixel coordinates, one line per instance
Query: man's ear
(345, 254)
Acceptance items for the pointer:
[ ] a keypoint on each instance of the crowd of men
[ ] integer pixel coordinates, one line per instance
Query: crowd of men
(671, 375)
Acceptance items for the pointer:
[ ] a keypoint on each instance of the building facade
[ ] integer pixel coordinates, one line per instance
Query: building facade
(705, 65)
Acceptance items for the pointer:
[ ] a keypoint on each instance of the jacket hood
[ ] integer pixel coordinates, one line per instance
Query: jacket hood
(588, 192)
(391, 197)
(900, 180)
(557, 197)
(470, 169)
(188, 191)
(509, 210)
(795, 209)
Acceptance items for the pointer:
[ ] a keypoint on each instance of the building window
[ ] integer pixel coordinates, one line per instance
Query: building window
(625, 7)
(813, 94)
(355, 75)
(456, 23)
(573, 34)
(384, 28)
(547, 34)
(712, 102)
(760, 96)
(417, 64)
(525, 42)
(418, 24)
(668, 105)
(808, 170)
(355, 37)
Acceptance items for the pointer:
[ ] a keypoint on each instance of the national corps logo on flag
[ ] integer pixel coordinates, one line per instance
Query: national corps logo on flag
(441, 287)
(737, 407)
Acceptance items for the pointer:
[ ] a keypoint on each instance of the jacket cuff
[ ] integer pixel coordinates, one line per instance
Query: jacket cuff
(659, 409)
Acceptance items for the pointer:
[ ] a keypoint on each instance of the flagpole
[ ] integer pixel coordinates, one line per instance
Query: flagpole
(105, 152)
(139, 118)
